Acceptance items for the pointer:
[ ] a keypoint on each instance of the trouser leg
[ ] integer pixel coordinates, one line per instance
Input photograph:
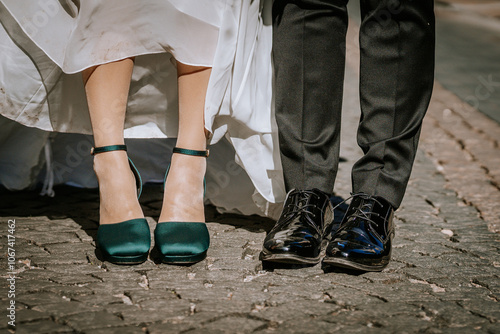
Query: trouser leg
(396, 77)
(309, 62)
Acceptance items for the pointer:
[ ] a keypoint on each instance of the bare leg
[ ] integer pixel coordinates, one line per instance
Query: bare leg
(107, 89)
(183, 199)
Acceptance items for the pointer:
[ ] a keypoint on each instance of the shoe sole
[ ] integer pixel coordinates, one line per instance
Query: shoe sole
(183, 259)
(125, 260)
(343, 263)
(288, 258)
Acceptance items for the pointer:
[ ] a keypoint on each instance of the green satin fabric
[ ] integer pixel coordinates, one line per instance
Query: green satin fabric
(128, 240)
(182, 239)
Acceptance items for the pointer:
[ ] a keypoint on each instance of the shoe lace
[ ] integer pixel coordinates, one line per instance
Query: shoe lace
(364, 211)
(299, 206)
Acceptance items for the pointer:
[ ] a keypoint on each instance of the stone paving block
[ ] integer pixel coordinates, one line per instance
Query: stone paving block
(25, 223)
(226, 252)
(279, 293)
(424, 262)
(85, 236)
(36, 274)
(217, 308)
(26, 253)
(432, 250)
(394, 266)
(138, 296)
(492, 328)
(385, 277)
(81, 247)
(451, 315)
(59, 258)
(25, 287)
(43, 326)
(468, 272)
(464, 261)
(303, 325)
(347, 297)
(400, 323)
(167, 285)
(488, 309)
(250, 293)
(69, 291)
(171, 273)
(225, 276)
(73, 279)
(69, 308)
(236, 264)
(86, 322)
(105, 288)
(479, 238)
(53, 226)
(148, 265)
(171, 307)
(233, 324)
(460, 291)
(485, 247)
(45, 238)
(29, 315)
(196, 318)
(100, 298)
(75, 269)
(120, 330)
(41, 299)
(204, 292)
(408, 293)
(390, 309)
(173, 327)
(111, 276)
(298, 309)
(491, 283)
(144, 317)
(291, 274)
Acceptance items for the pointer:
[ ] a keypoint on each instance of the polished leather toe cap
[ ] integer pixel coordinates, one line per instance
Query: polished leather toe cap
(298, 236)
(298, 241)
(364, 239)
(357, 246)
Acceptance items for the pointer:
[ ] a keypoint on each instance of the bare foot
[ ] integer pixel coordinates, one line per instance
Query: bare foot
(184, 191)
(117, 188)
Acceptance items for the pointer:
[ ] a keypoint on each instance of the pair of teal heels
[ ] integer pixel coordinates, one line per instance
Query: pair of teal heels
(129, 242)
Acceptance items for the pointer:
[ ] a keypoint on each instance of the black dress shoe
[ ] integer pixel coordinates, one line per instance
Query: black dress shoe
(363, 240)
(298, 236)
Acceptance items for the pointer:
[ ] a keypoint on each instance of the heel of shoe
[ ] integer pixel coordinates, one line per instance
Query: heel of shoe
(183, 242)
(126, 242)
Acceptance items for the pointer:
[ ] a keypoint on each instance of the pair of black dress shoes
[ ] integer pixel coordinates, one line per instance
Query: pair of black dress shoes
(362, 241)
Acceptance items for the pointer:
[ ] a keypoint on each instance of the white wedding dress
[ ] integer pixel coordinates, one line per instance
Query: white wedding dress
(45, 129)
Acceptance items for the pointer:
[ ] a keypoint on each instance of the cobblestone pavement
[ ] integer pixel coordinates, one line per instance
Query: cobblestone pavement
(480, 8)
(443, 278)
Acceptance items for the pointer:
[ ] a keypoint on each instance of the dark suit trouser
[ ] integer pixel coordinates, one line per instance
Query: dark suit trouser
(396, 78)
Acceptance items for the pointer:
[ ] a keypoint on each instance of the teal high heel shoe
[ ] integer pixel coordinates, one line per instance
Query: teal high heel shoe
(126, 242)
(183, 242)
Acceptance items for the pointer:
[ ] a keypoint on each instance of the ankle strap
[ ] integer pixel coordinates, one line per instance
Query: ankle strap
(192, 152)
(102, 149)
